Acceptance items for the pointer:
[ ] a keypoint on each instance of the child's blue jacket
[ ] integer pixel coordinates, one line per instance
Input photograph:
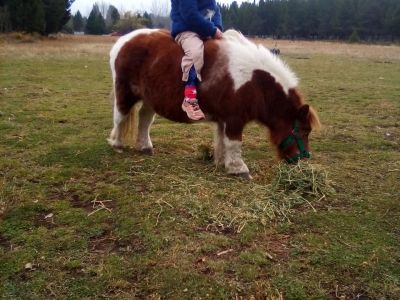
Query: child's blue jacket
(199, 16)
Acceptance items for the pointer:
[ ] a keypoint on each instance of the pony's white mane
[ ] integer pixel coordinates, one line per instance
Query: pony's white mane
(244, 57)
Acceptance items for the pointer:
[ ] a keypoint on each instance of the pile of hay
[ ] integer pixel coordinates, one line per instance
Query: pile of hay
(294, 186)
(303, 179)
(225, 204)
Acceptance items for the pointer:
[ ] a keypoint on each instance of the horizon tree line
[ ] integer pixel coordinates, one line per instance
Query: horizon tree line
(316, 19)
(370, 20)
(105, 19)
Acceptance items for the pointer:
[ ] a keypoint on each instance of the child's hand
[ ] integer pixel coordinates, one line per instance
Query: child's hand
(218, 34)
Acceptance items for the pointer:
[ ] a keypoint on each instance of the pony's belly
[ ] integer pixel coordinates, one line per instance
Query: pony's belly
(173, 113)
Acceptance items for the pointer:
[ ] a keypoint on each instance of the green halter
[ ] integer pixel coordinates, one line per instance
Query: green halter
(294, 136)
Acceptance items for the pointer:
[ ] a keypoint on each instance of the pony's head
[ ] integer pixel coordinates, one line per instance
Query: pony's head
(292, 138)
(290, 126)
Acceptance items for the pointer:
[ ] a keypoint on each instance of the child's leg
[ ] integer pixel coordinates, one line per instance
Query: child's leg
(192, 64)
(191, 92)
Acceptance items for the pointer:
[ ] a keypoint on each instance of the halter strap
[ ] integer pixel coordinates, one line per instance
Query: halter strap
(294, 136)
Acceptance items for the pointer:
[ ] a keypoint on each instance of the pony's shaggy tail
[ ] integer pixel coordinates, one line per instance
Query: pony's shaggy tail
(125, 134)
(129, 128)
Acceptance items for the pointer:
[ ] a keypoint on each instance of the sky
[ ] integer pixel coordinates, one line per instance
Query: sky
(85, 6)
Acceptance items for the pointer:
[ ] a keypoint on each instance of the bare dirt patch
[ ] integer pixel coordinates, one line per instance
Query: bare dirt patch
(107, 243)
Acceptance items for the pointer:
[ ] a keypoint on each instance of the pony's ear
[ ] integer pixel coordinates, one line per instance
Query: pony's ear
(304, 112)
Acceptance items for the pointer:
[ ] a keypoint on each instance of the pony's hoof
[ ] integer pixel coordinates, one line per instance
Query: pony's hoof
(246, 176)
(118, 150)
(147, 151)
(115, 145)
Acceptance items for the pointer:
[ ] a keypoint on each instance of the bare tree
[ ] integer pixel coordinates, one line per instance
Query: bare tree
(122, 11)
(160, 13)
(103, 7)
(160, 8)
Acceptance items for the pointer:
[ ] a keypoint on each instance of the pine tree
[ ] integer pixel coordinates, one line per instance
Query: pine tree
(95, 23)
(326, 12)
(372, 18)
(43, 16)
(78, 22)
(5, 22)
(112, 18)
(147, 20)
(27, 15)
(57, 14)
(392, 21)
(311, 22)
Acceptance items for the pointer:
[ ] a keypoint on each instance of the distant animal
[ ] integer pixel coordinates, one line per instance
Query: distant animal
(275, 51)
(242, 82)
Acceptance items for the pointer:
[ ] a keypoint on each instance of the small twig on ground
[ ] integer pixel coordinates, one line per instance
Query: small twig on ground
(99, 205)
(161, 207)
(159, 214)
(240, 228)
(51, 290)
(269, 256)
(170, 205)
(224, 252)
(309, 203)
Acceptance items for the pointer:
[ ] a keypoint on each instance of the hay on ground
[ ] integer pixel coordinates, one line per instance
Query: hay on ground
(300, 185)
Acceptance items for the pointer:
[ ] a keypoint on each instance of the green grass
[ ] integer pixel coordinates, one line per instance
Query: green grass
(169, 217)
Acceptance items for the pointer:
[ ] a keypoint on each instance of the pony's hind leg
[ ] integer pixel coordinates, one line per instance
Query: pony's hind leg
(146, 118)
(124, 128)
(118, 136)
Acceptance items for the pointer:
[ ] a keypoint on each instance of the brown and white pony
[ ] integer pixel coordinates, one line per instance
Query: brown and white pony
(242, 82)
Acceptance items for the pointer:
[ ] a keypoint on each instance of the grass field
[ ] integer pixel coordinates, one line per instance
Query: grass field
(78, 220)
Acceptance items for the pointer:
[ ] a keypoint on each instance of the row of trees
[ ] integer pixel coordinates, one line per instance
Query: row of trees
(307, 19)
(105, 18)
(43, 16)
(96, 23)
(49, 16)
(316, 19)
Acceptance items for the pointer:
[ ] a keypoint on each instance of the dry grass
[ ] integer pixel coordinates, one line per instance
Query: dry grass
(64, 44)
(380, 52)
(173, 220)
(61, 45)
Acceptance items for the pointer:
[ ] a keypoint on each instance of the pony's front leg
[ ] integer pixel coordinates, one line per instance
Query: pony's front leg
(234, 163)
(146, 118)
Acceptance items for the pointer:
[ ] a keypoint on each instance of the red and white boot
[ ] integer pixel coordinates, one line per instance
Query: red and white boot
(190, 104)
